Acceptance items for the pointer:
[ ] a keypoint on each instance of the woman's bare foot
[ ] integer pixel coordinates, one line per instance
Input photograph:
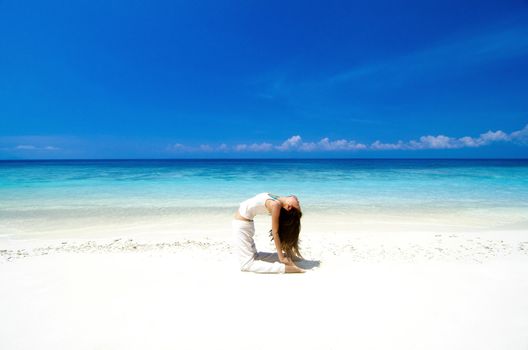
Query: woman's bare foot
(293, 269)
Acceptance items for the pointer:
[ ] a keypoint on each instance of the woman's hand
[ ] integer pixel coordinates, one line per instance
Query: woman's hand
(286, 261)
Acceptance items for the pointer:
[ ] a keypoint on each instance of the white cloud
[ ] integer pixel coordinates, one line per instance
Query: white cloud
(223, 148)
(261, 147)
(34, 148)
(491, 136)
(206, 148)
(428, 142)
(25, 147)
(378, 145)
(339, 145)
(181, 148)
(255, 147)
(290, 144)
(434, 142)
(468, 141)
(296, 144)
(178, 147)
(520, 136)
(446, 142)
(241, 148)
(484, 139)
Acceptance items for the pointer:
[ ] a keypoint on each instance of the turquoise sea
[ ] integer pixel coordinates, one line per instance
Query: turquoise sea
(38, 196)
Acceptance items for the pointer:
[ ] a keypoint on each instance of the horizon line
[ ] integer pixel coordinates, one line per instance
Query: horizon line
(220, 159)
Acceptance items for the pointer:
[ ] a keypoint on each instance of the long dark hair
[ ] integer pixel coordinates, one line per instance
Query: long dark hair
(289, 229)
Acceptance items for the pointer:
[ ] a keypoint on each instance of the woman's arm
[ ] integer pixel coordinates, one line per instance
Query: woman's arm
(275, 213)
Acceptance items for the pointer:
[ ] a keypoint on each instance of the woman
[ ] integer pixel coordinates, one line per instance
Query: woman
(285, 227)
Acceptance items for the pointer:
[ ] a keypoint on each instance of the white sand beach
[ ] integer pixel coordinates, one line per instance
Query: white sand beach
(365, 289)
(133, 133)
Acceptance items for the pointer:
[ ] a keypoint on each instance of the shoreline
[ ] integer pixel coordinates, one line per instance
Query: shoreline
(218, 225)
(362, 246)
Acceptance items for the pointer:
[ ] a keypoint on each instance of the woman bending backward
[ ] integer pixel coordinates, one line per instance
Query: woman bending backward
(285, 228)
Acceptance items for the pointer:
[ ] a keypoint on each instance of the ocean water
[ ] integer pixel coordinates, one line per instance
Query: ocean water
(38, 197)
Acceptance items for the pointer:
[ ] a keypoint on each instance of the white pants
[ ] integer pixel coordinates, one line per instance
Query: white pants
(248, 257)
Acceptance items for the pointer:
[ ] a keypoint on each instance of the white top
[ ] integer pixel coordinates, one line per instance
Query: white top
(255, 205)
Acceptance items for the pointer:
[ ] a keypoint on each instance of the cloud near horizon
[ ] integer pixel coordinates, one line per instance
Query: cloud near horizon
(428, 142)
(27, 147)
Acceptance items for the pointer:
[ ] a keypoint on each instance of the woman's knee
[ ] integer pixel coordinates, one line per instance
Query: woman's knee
(246, 267)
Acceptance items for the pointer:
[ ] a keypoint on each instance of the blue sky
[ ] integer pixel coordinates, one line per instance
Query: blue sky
(252, 79)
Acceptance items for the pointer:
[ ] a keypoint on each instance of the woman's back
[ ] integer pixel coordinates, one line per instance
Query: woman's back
(255, 205)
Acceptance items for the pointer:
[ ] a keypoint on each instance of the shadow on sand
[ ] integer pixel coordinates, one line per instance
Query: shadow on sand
(308, 264)
(302, 263)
